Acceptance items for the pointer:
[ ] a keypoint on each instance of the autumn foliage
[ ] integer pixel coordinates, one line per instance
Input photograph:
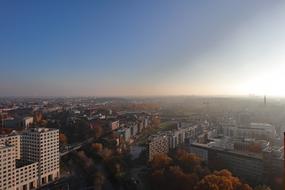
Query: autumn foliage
(221, 180)
(160, 161)
(188, 161)
(186, 171)
(62, 138)
(155, 121)
(98, 147)
(173, 177)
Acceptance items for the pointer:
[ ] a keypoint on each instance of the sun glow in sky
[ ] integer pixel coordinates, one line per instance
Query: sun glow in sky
(270, 82)
(118, 48)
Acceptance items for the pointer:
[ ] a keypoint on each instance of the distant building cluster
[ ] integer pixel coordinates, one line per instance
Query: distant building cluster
(125, 126)
(130, 128)
(29, 160)
(162, 142)
(255, 161)
(16, 122)
(252, 130)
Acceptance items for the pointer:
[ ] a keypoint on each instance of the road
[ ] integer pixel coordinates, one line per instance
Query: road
(74, 147)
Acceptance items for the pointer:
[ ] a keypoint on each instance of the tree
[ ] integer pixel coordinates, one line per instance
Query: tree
(160, 161)
(99, 180)
(87, 162)
(187, 172)
(262, 187)
(62, 138)
(244, 187)
(155, 121)
(173, 177)
(221, 180)
(189, 162)
(157, 179)
(98, 147)
(38, 117)
(98, 132)
(181, 180)
(106, 154)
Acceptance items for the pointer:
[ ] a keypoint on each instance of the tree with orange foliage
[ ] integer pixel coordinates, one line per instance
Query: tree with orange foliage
(181, 179)
(187, 172)
(98, 131)
(98, 147)
(221, 180)
(160, 161)
(155, 121)
(189, 162)
(62, 138)
(87, 162)
(173, 177)
(38, 117)
(106, 154)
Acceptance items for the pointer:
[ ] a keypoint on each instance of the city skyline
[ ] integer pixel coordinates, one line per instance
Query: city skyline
(145, 48)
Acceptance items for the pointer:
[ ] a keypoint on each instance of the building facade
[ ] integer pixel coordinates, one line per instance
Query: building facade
(27, 121)
(29, 160)
(256, 168)
(253, 130)
(42, 145)
(158, 144)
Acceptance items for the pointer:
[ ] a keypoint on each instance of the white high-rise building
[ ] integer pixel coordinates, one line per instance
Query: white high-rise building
(42, 145)
(29, 160)
(7, 166)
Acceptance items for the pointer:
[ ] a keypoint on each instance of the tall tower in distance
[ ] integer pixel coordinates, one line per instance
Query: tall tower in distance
(264, 100)
(284, 162)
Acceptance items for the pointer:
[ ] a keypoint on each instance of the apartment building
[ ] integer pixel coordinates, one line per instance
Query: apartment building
(15, 174)
(12, 140)
(29, 160)
(7, 166)
(164, 141)
(158, 144)
(26, 175)
(42, 145)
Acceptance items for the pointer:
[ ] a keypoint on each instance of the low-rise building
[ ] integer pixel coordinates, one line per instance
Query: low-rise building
(113, 125)
(125, 133)
(256, 166)
(253, 130)
(27, 121)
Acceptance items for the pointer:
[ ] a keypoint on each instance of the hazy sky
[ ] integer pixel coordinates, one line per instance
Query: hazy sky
(141, 47)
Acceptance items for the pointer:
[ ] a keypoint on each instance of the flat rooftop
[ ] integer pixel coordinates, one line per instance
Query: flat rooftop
(222, 149)
(40, 130)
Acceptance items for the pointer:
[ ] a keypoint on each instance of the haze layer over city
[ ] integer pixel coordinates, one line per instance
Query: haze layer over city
(142, 95)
